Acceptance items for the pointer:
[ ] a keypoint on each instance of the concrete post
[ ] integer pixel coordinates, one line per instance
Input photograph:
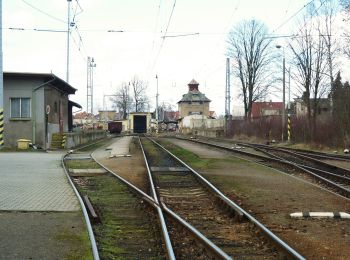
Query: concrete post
(1, 86)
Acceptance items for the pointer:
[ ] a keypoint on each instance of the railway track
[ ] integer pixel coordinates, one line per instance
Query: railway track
(318, 172)
(320, 155)
(129, 240)
(129, 227)
(336, 177)
(229, 233)
(181, 189)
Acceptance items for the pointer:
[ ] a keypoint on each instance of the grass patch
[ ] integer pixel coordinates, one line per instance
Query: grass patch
(81, 164)
(92, 146)
(148, 146)
(79, 241)
(196, 161)
(126, 231)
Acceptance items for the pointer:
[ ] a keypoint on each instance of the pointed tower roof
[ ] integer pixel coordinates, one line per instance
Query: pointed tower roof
(193, 82)
(194, 95)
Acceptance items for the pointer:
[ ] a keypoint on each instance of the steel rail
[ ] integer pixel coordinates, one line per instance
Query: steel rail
(144, 196)
(321, 154)
(344, 170)
(309, 170)
(209, 244)
(151, 201)
(278, 242)
(155, 204)
(277, 159)
(332, 175)
(168, 244)
(297, 154)
(86, 216)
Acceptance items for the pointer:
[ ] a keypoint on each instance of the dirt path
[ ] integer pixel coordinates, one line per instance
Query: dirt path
(271, 196)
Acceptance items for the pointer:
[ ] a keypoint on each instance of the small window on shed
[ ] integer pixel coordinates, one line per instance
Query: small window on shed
(20, 107)
(55, 107)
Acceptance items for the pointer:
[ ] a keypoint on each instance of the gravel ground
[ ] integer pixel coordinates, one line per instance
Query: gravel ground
(271, 197)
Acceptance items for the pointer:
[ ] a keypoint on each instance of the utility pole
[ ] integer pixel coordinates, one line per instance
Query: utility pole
(227, 94)
(283, 92)
(1, 86)
(284, 96)
(68, 36)
(157, 106)
(90, 85)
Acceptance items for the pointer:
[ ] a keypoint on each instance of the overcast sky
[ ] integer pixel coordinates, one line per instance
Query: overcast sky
(139, 49)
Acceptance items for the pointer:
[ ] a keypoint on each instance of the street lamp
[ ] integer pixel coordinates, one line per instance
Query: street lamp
(283, 91)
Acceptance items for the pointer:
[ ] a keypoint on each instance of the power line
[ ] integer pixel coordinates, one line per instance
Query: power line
(171, 15)
(33, 29)
(296, 13)
(271, 36)
(163, 37)
(180, 35)
(154, 34)
(43, 12)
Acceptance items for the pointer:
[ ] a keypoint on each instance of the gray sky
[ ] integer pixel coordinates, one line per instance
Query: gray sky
(139, 50)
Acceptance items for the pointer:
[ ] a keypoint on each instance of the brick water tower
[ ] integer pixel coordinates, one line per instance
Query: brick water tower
(193, 102)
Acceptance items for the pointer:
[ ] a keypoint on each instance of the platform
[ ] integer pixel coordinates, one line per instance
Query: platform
(120, 147)
(35, 181)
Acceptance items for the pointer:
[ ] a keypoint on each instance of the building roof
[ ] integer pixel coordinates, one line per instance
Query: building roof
(194, 96)
(193, 82)
(74, 104)
(257, 107)
(50, 78)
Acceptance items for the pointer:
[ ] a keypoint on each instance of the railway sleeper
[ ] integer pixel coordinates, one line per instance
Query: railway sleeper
(94, 217)
(231, 211)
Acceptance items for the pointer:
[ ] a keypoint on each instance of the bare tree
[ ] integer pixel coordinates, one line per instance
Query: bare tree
(139, 88)
(122, 99)
(249, 47)
(327, 15)
(346, 5)
(310, 60)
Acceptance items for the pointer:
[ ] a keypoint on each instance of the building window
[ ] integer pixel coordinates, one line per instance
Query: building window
(20, 107)
(55, 107)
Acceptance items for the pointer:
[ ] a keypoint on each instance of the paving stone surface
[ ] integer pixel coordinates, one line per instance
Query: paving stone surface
(35, 182)
(120, 147)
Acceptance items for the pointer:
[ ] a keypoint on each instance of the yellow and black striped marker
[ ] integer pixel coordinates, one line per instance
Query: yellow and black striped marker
(289, 127)
(1, 127)
(64, 138)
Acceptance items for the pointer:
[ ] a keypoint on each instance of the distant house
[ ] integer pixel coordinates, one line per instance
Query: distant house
(36, 105)
(194, 102)
(266, 109)
(109, 115)
(324, 107)
(171, 116)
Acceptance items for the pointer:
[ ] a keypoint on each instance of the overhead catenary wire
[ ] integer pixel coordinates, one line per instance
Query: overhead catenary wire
(80, 45)
(164, 36)
(43, 12)
(292, 16)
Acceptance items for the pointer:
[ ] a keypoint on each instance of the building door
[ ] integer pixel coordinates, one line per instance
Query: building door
(140, 124)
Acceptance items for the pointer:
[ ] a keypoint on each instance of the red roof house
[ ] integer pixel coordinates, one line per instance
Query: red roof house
(263, 109)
